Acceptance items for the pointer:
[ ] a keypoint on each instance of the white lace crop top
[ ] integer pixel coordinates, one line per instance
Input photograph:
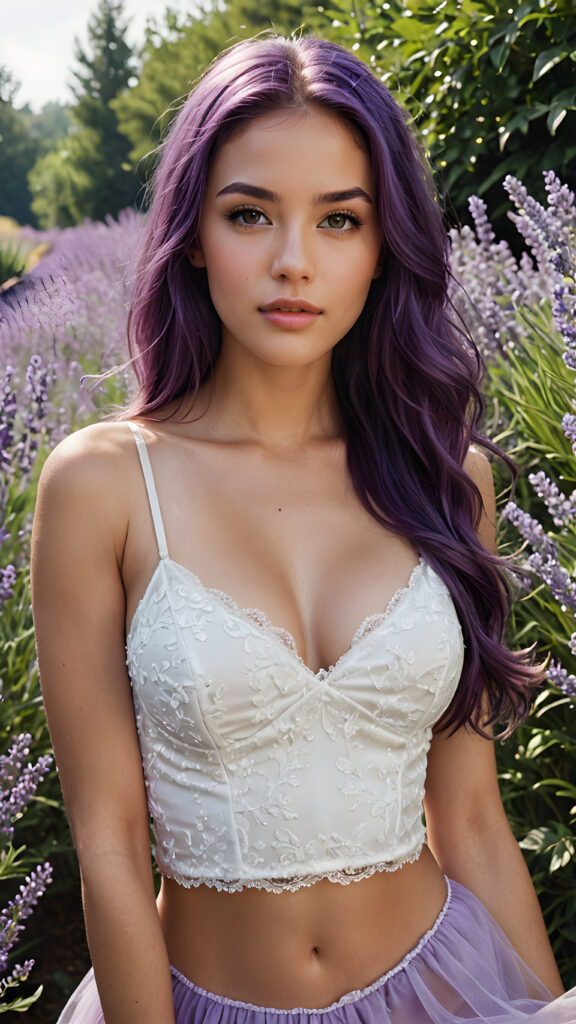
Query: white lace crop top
(260, 772)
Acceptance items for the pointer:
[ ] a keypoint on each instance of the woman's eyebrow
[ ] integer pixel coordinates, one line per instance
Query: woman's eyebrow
(255, 192)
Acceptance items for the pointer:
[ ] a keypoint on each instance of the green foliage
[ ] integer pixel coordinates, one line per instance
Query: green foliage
(59, 185)
(537, 772)
(12, 260)
(89, 175)
(529, 389)
(491, 85)
(24, 138)
(18, 151)
(177, 52)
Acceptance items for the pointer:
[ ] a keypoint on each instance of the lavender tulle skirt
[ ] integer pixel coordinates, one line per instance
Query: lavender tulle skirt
(462, 971)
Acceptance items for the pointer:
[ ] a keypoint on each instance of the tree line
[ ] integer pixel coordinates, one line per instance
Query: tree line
(489, 85)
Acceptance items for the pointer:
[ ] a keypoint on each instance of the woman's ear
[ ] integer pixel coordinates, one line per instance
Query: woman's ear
(196, 256)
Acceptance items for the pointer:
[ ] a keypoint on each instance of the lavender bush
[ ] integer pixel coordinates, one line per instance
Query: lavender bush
(19, 779)
(522, 311)
(65, 318)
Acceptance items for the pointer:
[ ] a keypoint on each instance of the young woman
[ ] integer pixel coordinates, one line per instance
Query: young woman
(267, 602)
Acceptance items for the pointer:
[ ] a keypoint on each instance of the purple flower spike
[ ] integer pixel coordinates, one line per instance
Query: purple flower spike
(530, 529)
(564, 680)
(18, 782)
(21, 907)
(561, 508)
(7, 582)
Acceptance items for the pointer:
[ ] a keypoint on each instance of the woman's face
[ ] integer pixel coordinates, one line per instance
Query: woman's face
(289, 236)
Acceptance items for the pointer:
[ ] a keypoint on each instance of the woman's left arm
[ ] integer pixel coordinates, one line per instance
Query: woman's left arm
(468, 831)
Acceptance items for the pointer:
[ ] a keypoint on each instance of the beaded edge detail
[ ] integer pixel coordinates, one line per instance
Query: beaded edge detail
(350, 997)
(342, 875)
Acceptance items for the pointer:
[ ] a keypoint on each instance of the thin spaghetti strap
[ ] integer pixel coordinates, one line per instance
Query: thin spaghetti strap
(151, 489)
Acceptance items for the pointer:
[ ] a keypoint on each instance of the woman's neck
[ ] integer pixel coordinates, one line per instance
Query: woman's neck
(280, 408)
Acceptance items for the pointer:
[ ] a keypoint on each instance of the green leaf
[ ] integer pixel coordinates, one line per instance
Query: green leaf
(546, 60)
(539, 840)
(410, 28)
(562, 855)
(555, 117)
(499, 54)
(21, 1004)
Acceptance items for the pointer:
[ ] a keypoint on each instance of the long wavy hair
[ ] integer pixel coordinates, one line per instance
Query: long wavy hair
(406, 378)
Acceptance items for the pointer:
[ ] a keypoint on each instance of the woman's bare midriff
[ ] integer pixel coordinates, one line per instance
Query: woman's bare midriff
(304, 948)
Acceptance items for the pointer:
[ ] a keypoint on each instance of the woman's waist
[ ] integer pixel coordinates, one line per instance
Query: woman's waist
(306, 947)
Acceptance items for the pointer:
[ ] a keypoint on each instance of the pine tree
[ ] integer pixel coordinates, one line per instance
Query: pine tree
(178, 50)
(17, 151)
(106, 68)
(90, 174)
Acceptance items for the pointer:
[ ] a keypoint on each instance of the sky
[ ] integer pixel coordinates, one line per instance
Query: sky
(37, 41)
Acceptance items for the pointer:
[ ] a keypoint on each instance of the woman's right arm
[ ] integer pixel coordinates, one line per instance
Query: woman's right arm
(80, 529)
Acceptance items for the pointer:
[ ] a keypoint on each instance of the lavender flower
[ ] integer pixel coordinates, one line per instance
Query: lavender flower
(530, 529)
(559, 677)
(495, 284)
(569, 428)
(18, 781)
(20, 908)
(8, 411)
(7, 581)
(556, 577)
(484, 232)
(561, 508)
(550, 236)
(18, 973)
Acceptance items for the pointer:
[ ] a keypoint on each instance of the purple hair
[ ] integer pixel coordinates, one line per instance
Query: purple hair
(406, 379)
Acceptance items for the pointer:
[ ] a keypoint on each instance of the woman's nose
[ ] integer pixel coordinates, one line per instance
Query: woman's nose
(292, 259)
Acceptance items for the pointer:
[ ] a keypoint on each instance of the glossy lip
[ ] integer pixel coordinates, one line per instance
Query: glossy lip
(293, 305)
(289, 319)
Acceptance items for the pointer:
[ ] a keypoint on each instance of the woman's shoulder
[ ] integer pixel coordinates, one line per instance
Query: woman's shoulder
(479, 468)
(91, 469)
(99, 447)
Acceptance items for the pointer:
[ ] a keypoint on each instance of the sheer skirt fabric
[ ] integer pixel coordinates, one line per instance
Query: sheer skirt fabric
(463, 971)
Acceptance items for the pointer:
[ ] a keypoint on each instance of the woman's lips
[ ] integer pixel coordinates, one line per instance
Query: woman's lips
(291, 319)
(290, 313)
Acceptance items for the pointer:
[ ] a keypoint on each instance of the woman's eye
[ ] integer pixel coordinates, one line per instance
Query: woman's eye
(341, 221)
(248, 216)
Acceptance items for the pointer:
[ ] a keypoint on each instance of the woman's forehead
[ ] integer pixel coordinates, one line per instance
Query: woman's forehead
(309, 148)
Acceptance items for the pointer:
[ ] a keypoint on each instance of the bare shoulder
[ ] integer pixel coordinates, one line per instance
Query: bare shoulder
(479, 468)
(99, 454)
(87, 480)
(100, 448)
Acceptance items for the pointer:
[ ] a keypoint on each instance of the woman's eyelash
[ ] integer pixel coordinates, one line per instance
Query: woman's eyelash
(235, 214)
(353, 217)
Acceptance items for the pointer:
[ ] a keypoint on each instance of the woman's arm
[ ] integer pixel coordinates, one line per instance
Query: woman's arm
(468, 831)
(79, 533)
(470, 837)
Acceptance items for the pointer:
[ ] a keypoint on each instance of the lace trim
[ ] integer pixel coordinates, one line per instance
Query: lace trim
(342, 875)
(260, 619)
(349, 997)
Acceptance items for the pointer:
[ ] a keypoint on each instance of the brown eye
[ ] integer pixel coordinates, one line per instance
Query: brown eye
(341, 221)
(250, 216)
(247, 216)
